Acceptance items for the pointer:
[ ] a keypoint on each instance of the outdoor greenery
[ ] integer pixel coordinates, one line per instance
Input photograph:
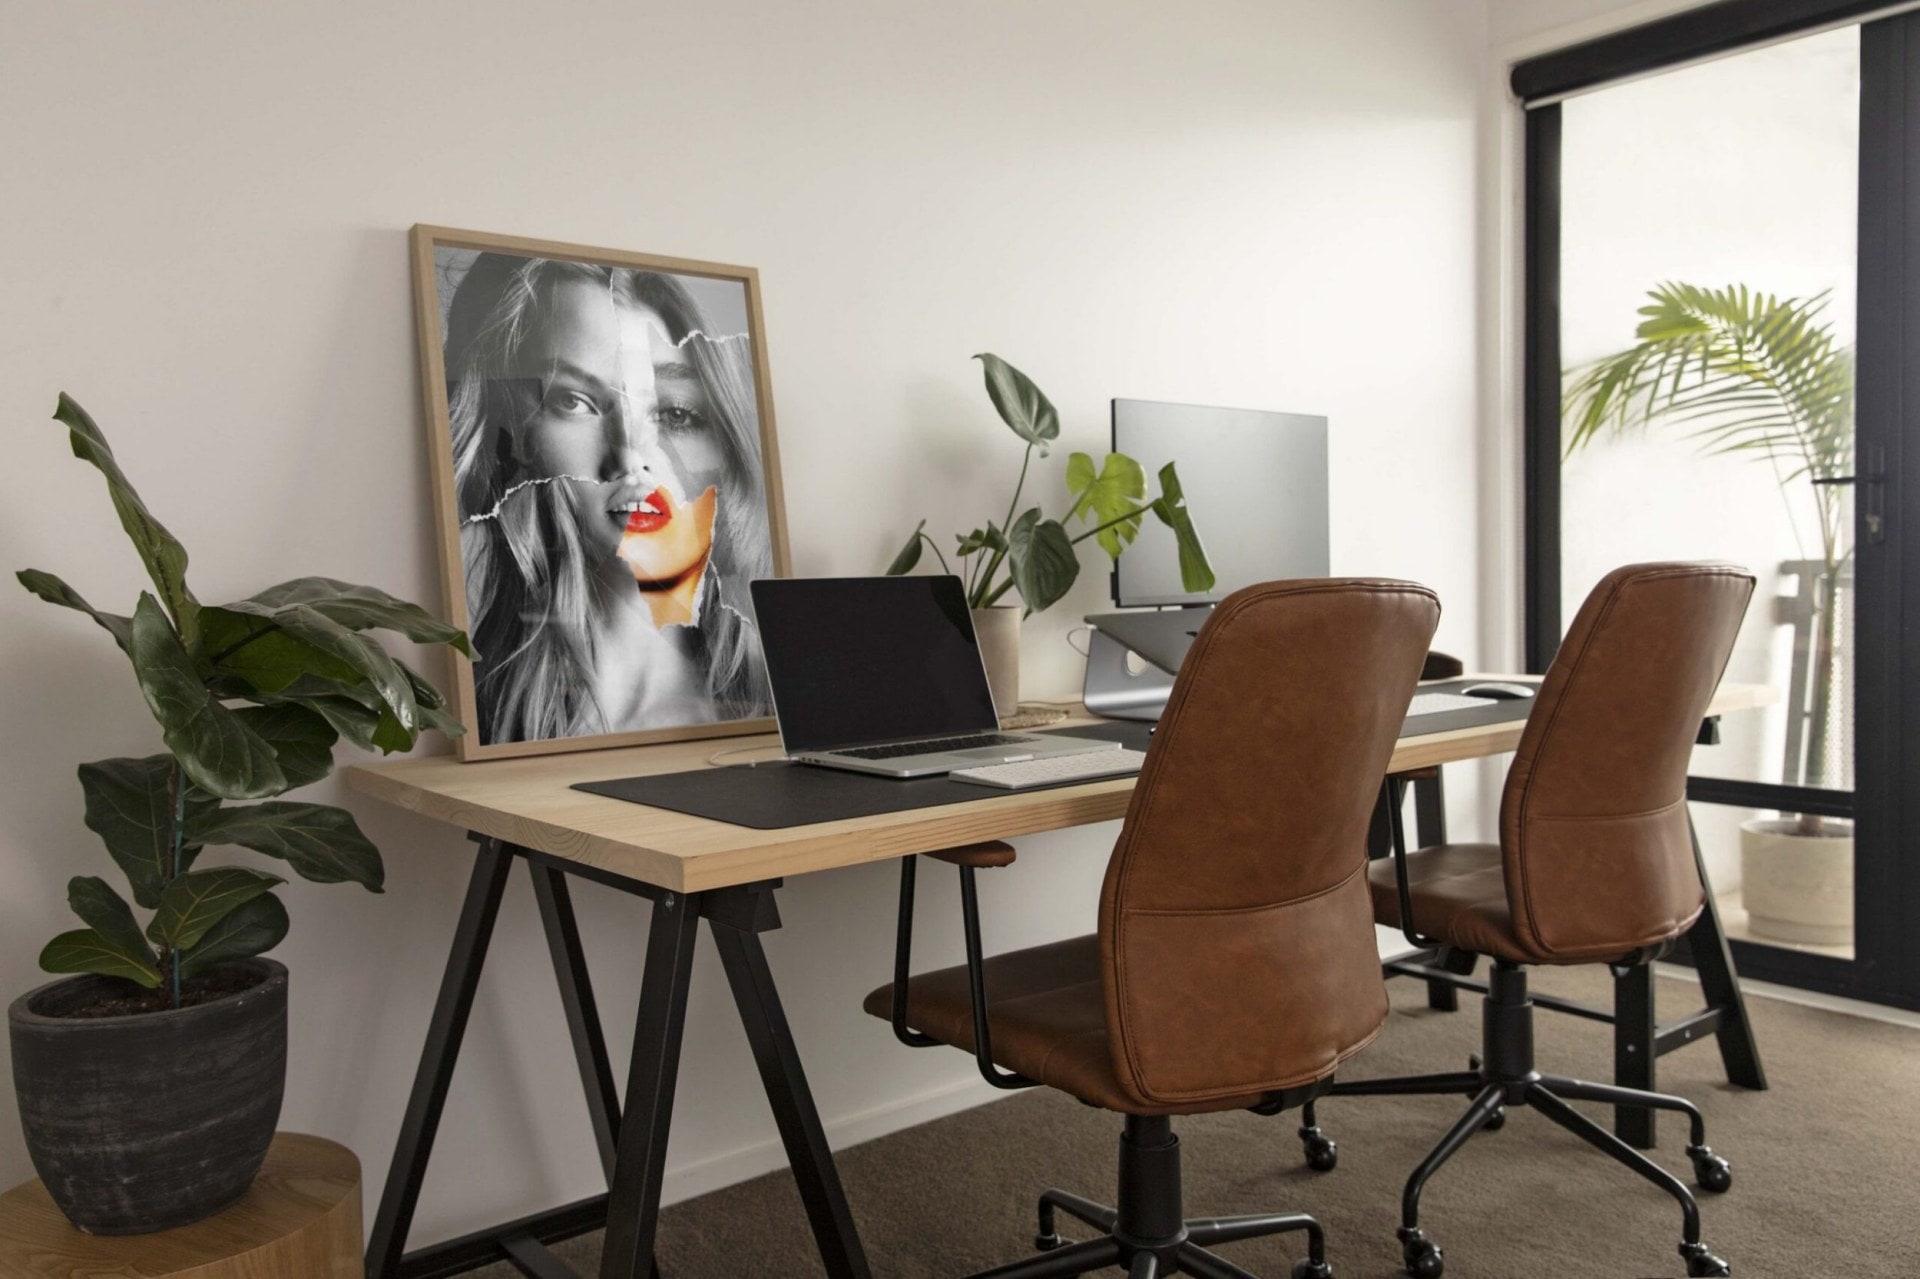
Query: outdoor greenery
(1751, 375)
(1035, 555)
(295, 658)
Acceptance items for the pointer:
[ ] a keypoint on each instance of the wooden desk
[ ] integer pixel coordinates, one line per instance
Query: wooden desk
(691, 868)
(300, 1220)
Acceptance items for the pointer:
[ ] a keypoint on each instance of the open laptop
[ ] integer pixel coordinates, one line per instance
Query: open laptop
(883, 675)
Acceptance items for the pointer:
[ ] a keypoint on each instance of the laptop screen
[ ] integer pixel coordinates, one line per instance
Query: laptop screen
(854, 660)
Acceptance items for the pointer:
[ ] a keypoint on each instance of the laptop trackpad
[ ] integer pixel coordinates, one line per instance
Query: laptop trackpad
(989, 752)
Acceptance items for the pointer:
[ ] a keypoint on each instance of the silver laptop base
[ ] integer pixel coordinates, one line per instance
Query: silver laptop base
(1112, 691)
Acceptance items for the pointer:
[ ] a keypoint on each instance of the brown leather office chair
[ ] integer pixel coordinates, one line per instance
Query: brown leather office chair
(1595, 864)
(1235, 964)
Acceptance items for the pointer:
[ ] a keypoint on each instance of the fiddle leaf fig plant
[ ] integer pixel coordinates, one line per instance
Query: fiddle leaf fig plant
(250, 698)
(1034, 554)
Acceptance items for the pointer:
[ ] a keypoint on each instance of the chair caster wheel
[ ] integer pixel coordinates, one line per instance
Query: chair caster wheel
(1323, 1154)
(1310, 1269)
(1047, 1243)
(1422, 1255)
(1702, 1264)
(1710, 1171)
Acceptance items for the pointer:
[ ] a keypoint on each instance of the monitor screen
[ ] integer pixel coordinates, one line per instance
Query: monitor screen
(857, 660)
(1256, 486)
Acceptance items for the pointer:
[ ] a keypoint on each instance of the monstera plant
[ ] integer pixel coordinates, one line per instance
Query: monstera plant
(1034, 554)
(250, 698)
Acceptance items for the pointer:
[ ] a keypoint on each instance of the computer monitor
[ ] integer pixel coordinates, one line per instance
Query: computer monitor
(1255, 482)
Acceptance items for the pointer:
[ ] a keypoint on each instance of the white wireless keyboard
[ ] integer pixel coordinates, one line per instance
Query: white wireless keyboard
(1051, 772)
(1435, 703)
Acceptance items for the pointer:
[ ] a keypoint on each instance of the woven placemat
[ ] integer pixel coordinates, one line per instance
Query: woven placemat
(1033, 715)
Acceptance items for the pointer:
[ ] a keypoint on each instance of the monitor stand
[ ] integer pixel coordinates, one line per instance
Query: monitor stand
(1114, 692)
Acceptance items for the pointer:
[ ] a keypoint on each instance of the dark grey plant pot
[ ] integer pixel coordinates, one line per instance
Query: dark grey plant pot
(147, 1122)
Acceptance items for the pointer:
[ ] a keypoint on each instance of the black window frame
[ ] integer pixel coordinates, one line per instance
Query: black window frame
(1886, 800)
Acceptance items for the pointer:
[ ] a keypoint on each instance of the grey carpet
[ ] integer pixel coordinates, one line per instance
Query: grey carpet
(1825, 1168)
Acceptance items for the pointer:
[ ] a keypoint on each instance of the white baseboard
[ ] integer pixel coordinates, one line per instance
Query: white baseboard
(731, 1167)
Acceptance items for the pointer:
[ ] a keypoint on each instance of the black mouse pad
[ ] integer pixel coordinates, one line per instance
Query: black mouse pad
(775, 796)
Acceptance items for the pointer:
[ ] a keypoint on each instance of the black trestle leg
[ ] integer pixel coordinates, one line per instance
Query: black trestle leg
(633, 1203)
(428, 1099)
(557, 919)
(793, 1110)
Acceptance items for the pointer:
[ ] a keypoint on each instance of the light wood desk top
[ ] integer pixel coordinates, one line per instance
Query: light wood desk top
(529, 801)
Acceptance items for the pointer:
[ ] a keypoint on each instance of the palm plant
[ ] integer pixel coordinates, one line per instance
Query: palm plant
(1752, 375)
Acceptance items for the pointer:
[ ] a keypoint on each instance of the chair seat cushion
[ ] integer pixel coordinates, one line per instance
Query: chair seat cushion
(1459, 896)
(1048, 1021)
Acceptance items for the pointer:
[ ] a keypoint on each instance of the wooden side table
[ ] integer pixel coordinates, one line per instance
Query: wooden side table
(301, 1220)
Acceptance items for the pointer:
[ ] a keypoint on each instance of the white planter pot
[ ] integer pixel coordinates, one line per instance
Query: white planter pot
(1798, 887)
(998, 629)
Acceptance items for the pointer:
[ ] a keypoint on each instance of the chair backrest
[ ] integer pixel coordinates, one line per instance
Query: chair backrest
(1593, 824)
(1236, 928)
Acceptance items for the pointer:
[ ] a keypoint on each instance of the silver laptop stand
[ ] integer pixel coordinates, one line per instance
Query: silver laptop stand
(1114, 692)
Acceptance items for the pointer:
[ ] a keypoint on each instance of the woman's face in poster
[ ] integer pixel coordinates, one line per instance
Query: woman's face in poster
(622, 407)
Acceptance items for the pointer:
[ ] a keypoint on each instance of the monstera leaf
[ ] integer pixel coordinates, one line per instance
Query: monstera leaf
(1196, 574)
(1110, 497)
(1044, 564)
(1022, 405)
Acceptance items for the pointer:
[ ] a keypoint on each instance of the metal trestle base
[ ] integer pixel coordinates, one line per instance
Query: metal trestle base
(1503, 1076)
(1146, 1233)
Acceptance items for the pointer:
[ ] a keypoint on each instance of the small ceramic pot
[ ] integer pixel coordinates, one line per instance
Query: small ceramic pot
(998, 630)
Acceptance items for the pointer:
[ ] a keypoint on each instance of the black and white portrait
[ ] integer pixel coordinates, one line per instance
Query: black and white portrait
(609, 469)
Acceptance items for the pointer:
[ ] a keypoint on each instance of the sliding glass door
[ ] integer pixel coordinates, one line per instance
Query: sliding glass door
(1717, 326)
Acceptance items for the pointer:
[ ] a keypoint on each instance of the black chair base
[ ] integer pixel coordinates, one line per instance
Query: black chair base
(1504, 1077)
(1146, 1233)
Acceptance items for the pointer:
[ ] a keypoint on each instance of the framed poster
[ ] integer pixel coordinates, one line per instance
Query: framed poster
(605, 483)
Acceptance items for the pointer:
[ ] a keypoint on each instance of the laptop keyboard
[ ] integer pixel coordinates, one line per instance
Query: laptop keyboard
(933, 745)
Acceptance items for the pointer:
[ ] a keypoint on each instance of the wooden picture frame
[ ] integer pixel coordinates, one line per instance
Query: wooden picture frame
(601, 498)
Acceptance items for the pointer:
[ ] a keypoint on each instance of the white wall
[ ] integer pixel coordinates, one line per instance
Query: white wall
(1268, 204)
(1534, 26)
